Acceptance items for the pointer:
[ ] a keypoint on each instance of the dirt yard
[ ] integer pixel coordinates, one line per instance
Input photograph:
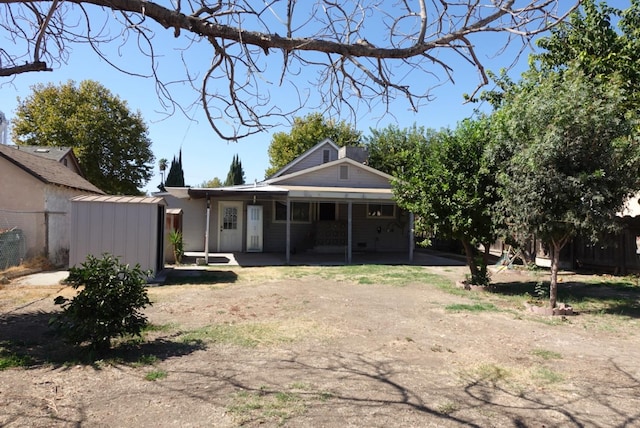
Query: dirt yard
(327, 347)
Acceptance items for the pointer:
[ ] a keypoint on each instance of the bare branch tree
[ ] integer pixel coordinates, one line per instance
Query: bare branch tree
(362, 53)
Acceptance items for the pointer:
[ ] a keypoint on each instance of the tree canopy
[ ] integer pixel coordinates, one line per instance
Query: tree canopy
(305, 133)
(570, 158)
(235, 175)
(110, 142)
(599, 40)
(214, 182)
(355, 55)
(449, 183)
(175, 177)
(391, 148)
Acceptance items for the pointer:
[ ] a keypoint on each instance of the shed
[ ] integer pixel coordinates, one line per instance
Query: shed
(128, 227)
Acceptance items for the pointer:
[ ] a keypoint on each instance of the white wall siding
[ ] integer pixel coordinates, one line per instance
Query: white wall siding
(330, 177)
(314, 158)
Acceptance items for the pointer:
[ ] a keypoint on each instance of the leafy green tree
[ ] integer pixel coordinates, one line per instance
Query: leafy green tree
(600, 41)
(108, 305)
(450, 184)
(236, 173)
(111, 142)
(175, 177)
(390, 148)
(214, 182)
(570, 158)
(306, 132)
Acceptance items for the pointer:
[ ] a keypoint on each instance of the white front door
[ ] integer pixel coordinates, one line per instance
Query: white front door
(230, 226)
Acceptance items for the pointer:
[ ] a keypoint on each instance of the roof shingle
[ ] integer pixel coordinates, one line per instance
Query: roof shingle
(47, 170)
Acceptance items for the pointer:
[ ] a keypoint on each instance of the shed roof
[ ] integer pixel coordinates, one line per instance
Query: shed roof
(121, 199)
(47, 170)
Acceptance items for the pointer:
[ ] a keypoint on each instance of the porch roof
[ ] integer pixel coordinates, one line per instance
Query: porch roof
(310, 192)
(346, 193)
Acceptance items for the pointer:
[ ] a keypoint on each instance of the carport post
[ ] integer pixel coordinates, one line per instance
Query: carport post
(288, 250)
(411, 236)
(206, 232)
(349, 225)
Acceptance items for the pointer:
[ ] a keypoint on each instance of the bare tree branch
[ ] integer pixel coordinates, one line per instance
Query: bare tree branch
(371, 52)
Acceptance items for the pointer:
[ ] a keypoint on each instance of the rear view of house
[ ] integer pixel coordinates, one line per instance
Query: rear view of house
(325, 201)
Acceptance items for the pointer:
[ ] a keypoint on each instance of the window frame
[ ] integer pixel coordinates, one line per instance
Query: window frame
(381, 215)
(293, 211)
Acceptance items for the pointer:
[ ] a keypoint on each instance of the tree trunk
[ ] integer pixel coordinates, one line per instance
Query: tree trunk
(469, 253)
(485, 255)
(555, 261)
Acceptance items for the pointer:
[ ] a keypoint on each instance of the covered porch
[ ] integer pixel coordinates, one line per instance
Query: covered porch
(291, 224)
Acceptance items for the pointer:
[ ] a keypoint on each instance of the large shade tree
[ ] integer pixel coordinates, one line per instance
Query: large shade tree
(390, 148)
(305, 133)
(355, 55)
(570, 158)
(110, 141)
(449, 183)
(601, 41)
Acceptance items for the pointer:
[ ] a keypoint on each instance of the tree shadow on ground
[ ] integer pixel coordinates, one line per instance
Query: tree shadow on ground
(364, 385)
(199, 276)
(615, 298)
(29, 337)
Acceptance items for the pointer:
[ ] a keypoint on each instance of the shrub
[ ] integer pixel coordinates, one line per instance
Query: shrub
(109, 305)
(175, 237)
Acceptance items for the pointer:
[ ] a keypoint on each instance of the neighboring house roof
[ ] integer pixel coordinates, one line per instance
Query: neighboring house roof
(49, 152)
(46, 170)
(58, 154)
(303, 156)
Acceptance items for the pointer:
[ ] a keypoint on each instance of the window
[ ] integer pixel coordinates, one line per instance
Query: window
(300, 212)
(344, 172)
(381, 210)
(325, 156)
(230, 218)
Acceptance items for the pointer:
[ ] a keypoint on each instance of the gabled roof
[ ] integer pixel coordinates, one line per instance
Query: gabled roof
(276, 180)
(304, 155)
(46, 170)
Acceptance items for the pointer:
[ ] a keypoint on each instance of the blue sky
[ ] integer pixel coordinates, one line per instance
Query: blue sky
(204, 154)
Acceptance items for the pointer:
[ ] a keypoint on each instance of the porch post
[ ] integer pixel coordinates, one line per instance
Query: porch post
(288, 250)
(349, 224)
(411, 235)
(206, 232)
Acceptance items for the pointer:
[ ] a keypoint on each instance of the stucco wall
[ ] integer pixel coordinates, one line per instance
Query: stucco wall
(194, 214)
(58, 207)
(22, 206)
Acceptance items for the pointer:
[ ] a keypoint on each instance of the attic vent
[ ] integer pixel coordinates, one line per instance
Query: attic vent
(344, 172)
(42, 150)
(325, 156)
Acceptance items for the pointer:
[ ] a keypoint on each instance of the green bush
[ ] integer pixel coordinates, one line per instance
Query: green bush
(109, 304)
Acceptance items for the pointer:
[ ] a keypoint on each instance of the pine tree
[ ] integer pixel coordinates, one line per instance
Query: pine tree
(236, 174)
(175, 178)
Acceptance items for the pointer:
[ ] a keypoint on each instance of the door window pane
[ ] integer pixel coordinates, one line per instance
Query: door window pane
(230, 219)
